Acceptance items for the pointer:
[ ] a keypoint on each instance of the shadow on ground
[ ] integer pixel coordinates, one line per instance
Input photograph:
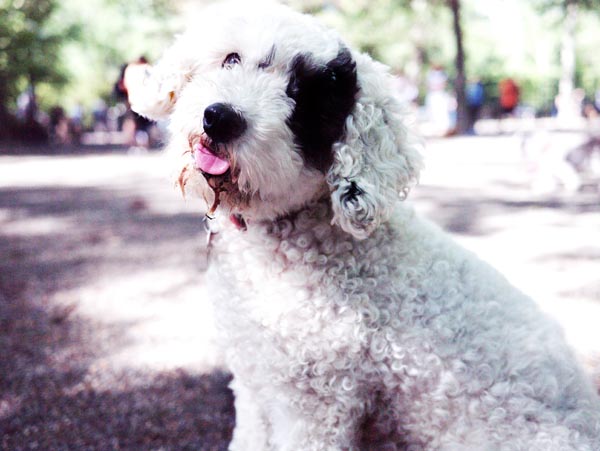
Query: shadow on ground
(461, 211)
(50, 150)
(56, 390)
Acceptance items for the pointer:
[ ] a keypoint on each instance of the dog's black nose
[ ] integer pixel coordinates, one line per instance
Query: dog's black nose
(222, 122)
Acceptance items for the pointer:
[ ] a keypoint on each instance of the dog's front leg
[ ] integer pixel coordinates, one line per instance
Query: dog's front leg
(250, 433)
(313, 424)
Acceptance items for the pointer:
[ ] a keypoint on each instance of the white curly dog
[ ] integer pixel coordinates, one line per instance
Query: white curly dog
(347, 322)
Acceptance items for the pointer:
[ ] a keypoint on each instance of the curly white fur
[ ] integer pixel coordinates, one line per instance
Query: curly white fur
(348, 322)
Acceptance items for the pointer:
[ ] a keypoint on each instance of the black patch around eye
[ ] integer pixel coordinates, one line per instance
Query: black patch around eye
(324, 96)
(231, 59)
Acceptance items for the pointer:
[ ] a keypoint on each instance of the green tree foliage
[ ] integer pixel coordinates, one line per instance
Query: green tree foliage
(28, 47)
(115, 32)
(397, 32)
(545, 5)
(71, 51)
(516, 38)
(572, 18)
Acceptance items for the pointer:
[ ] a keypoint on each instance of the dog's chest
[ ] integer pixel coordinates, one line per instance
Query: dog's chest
(300, 292)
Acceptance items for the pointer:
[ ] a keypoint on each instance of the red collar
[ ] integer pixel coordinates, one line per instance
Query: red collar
(239, 222)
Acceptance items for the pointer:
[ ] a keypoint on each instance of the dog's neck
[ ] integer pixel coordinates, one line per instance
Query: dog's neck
(317, 212)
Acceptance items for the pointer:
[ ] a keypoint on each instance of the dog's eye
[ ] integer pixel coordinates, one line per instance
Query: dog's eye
(231, 59)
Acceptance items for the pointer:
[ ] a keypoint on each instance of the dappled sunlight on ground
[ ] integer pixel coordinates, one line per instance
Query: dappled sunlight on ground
(103, 310)
(168, 317)
(121, 245)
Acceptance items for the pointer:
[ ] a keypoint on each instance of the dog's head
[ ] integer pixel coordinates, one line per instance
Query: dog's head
(271, 111)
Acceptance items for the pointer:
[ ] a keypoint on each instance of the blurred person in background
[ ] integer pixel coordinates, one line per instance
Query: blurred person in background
(27, 106)
(100, 116)
(406, 90)
(509, 93)
(59, 126)
(137, 128)
(76, 122)
(475, 98)
(438, 102)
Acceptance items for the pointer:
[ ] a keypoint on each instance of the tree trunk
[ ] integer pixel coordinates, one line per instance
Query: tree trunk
(32, 110)
(566, 104)
(462, 122)
(4, 113)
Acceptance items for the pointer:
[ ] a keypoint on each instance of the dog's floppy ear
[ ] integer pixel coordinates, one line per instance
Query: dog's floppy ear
(153, 90)
(377, 161)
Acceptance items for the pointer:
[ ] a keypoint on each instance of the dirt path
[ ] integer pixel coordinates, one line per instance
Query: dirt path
(105, 340)
(105, 332)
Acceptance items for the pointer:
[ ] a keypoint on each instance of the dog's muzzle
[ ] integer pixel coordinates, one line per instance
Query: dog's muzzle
(222, 123)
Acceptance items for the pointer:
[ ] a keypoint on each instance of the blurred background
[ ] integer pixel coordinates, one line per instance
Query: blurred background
(105, 335)
(63, 57)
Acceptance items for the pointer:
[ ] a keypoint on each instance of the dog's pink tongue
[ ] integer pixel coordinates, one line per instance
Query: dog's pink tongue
(208, 162)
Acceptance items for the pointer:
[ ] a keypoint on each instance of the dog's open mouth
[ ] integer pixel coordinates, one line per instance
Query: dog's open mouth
(215, 168)
(207, 161)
